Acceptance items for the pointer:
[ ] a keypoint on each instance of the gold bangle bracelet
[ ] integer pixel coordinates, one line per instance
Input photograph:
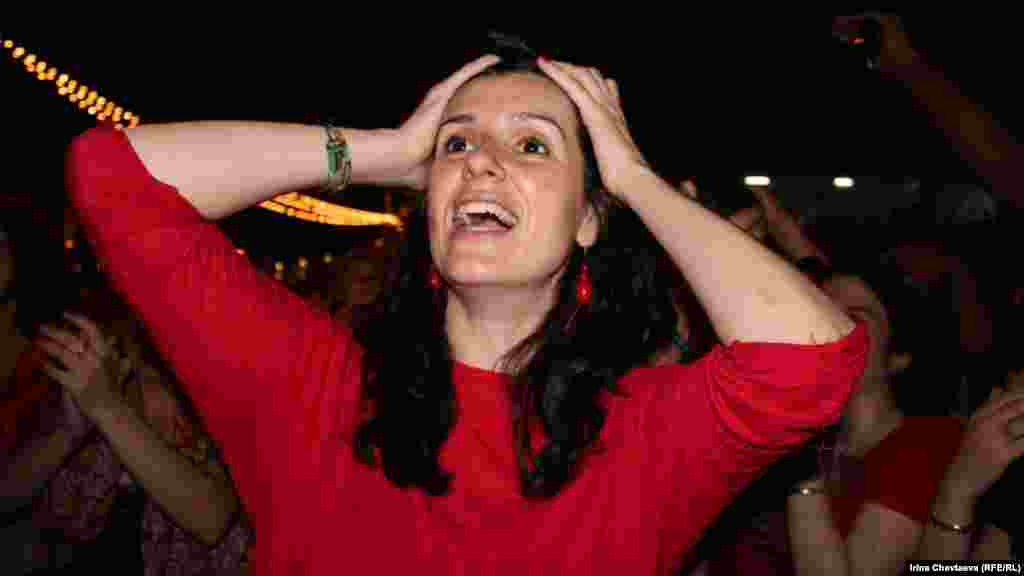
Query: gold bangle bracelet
(958, 528)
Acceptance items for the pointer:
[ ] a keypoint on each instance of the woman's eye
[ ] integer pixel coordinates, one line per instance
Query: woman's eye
(533, 146)
(456, 144)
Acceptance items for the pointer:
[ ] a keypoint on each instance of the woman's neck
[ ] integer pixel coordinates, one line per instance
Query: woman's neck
(483, 328)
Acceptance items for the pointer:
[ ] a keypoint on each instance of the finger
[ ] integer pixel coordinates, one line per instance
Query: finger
(1007, 411)
(572, 86)
(65, 340)
(55, 351)
(93, 335)
(613, 87)
(601, 84)
(689, 188)
(995, 404)
(1015, 428)
(58, 375)
(592, 81)
(468, 71)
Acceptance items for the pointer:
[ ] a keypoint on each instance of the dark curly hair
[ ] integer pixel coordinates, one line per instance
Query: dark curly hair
(559, 372)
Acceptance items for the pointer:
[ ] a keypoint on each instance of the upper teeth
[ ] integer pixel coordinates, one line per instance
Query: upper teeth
(468, 209)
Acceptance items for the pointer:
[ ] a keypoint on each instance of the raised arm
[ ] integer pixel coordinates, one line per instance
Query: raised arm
(750, 294)
(977, 135)
(199, 499)
(224, 167)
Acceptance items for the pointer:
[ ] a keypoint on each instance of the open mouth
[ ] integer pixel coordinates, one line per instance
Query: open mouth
(482, 216)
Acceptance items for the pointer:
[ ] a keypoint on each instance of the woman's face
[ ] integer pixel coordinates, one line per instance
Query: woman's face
(862, 304)
(506, 199)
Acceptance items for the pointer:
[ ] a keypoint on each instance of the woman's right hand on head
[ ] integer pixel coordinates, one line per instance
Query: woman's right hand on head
(417, 135)
(85, 364)
(993, 438)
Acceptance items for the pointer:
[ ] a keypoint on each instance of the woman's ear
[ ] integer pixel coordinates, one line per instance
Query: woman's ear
(898, 363)
(590, 225)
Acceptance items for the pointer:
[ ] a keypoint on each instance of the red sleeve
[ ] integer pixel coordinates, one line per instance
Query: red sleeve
(268, 373)
(904, 471)
(711, 427)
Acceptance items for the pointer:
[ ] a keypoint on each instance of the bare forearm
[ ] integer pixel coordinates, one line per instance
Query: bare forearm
(981, 141)
(993, 545)
(938, 543)
(224, 167)
(750, 294)
(34, 466)
(816, 545)
(198, 502)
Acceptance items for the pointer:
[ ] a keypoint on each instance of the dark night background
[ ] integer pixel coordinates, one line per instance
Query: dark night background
(712, 96)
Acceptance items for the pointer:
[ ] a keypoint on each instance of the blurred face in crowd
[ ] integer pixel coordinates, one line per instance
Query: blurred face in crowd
(862, 304)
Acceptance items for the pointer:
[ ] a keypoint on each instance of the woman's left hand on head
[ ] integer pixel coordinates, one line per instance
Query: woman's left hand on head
(85, 364)
(600, 106)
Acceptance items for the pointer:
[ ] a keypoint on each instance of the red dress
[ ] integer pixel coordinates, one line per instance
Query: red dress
(277, 383)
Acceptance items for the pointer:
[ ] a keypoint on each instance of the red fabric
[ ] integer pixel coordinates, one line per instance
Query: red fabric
(278, 384)
(902, 473)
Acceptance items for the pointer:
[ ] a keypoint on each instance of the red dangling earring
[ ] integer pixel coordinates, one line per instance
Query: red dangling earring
(584, 288)
(435, 279)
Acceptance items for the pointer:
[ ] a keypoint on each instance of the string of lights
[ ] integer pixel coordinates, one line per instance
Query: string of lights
(104, 109)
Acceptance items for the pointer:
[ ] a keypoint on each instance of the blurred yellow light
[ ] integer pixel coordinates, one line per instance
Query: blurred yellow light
(8, 44)
(73, 98)
(101, 101)
(303, 263)
(328, 258)
(117, 114)
(82, 104)
(278, 266)
(91, 111)
(133, 122)
(127, 115)
(109, 108)
(30, 60)
(63, 91)
(62, 80)
(51, 73)
(18, 52)
(82, 90)
(92, 96)
(72, 85)
(69, 244)
(757, 181)
(41, 66)
(41, 75)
